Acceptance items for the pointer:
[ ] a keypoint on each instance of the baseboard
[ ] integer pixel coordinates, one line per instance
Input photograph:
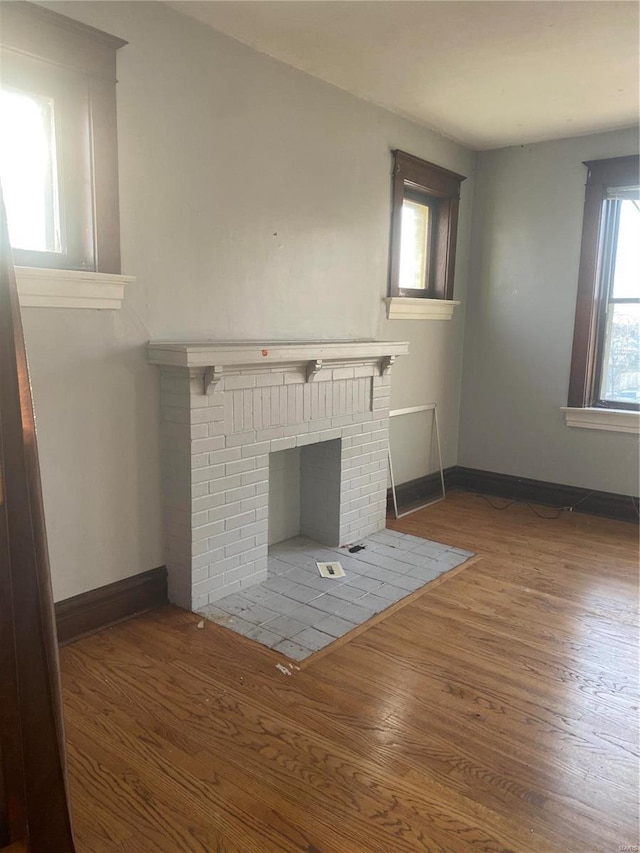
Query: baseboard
(606, 504)
(90, 611)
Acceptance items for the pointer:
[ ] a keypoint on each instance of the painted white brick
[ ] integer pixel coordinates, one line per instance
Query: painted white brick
(307, 438)
(266, 407)
(254, 529)
(208, 474)
(380, 404)
(282, 443)
(237, 422)
(247, 403)
(240, 546)
(245, 518)
(240, 466)
(232, 383)
(223, 484)
(207, 530)
(343, 373)
(369, 489)
(238, 574)
(229, 454)
(206, 445)
(199, 505)
(222, 540)
(241, 493)
(256, 502)
(258, 476)
(224, 565)
(219, 513)
(241, 438)
(255, 449)
(199, 460)
(329, 434)
(294, 378)
(341, 421)
(266, 379)
(205, 416)
(270, 433)
(294, 430)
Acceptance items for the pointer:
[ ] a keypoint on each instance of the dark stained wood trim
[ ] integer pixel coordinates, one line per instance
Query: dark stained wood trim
(443, 187)
(605, 504)
(602, 174)
(90, 611)
(32, 743)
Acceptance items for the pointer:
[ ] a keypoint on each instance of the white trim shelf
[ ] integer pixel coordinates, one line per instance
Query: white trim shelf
(610, 420)
(408, 308)
(44, 288)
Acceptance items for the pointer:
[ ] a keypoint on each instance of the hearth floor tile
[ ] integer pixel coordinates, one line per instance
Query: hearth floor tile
(296, 612)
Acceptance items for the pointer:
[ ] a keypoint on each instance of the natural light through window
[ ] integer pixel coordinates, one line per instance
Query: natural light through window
(620, 381)
(28, 171)
(414, 246)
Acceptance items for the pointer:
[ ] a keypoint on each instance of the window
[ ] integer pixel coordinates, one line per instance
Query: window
(58, 156)
(423, 229)
(605, 364)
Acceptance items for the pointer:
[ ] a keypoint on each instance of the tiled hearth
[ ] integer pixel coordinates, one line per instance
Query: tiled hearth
(296, 612)
(225, 407)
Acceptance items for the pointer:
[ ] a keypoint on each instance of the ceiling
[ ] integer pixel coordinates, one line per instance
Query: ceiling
(487, 74)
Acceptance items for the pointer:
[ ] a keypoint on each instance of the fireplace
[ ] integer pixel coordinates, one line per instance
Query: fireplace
(228, 411)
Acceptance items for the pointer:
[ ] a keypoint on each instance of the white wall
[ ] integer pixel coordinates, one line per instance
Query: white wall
(255, 203)
(520, 314)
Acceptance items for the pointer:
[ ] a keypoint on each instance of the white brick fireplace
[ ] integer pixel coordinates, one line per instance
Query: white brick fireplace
(224, 408)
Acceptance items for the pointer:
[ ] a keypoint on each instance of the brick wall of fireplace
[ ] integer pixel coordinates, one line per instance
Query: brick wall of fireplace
(216, 442)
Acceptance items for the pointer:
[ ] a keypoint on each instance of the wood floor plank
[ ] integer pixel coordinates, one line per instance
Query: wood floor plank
(497, 711)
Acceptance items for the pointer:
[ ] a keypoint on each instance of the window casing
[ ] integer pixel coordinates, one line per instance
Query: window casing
(424, 223)
(605, 362)
(68, 69)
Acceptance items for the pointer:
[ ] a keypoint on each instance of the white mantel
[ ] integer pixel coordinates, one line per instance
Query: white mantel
(242, 354)
(226, 406)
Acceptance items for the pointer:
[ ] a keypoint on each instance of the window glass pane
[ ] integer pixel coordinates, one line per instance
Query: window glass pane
(414, 246)
(621, 366)
(28, 171)
(626, 277)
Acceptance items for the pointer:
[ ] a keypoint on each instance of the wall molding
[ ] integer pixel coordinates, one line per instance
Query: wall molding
(90, 611)
(609, 420)
(409, 308)
(45, 288)
(605, 504)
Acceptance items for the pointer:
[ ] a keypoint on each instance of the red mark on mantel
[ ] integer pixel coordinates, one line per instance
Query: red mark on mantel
(265, 352)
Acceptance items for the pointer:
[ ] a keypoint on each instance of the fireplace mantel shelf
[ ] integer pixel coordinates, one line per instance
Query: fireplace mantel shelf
(215, 357)
(244, 353)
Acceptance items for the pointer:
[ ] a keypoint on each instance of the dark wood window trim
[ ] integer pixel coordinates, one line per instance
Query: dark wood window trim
(440, 189)
(588, 335)
(39, 50)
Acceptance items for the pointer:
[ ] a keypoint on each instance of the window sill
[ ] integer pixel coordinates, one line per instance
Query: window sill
(610, 420)
(406, 308)
(42, 288)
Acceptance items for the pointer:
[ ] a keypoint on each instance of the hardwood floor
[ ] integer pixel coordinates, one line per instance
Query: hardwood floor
(497, 711)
